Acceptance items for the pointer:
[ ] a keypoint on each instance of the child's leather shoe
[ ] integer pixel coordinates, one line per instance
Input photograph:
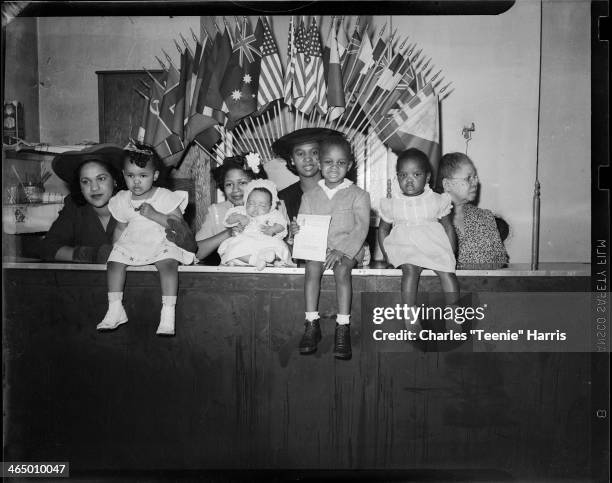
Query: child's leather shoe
(342, 342)
(311, 337)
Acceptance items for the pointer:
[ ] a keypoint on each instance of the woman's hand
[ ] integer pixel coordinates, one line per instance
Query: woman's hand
(238, 218)
(333, 257)
(243, 220)
(237, 230)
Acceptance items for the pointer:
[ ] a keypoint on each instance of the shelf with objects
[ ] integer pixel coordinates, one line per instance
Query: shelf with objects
(32, 197)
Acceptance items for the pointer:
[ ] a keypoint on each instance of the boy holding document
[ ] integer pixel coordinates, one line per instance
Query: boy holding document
(348, 208)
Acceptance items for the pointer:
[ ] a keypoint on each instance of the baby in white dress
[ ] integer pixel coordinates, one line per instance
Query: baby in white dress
(263, 229)
(415, 230)
(142, 214)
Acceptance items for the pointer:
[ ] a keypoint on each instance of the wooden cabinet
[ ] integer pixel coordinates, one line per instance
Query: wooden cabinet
(120, 107)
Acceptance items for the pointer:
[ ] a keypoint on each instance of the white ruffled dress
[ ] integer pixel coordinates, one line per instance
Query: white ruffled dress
(144, 241)
(417, 237)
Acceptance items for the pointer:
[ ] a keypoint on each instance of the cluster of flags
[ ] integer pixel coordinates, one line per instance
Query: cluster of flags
(230, 80)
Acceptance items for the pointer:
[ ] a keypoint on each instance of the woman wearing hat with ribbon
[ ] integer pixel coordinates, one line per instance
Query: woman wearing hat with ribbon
(83, 231)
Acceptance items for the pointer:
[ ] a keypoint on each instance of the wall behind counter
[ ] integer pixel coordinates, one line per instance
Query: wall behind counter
(72, 49)
(21, 71)
(493, 62)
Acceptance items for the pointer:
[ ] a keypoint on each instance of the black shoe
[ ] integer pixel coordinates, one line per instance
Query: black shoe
(342, 342)
(311, 337)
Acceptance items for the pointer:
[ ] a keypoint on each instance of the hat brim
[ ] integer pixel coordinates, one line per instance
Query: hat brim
(66, 165)
(283, 146)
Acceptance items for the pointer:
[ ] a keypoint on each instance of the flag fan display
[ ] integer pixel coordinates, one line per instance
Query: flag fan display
(233, 94)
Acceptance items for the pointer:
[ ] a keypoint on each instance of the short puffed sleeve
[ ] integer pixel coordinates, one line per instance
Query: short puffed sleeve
(213, 222)
(171, 200)
(118, 206)
(445, 205)
(386, 209)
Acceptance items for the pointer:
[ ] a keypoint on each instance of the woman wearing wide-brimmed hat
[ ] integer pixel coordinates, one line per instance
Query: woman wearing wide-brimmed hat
(300, 149)
(83, 232)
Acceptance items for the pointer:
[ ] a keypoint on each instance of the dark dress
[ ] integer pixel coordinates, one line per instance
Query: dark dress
(292, 197)
(76, 226)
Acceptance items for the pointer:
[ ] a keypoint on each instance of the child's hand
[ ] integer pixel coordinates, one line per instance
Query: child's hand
(333, 257)
(148, 211)
(294, 228)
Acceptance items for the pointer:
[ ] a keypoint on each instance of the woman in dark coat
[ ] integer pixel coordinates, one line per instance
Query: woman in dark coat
(83, 231)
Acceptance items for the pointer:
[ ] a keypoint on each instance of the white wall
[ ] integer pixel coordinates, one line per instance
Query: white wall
(21, 72)
(493, 62)
(72, 49)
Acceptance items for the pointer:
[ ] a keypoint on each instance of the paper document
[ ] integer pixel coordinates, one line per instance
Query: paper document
(311, 241)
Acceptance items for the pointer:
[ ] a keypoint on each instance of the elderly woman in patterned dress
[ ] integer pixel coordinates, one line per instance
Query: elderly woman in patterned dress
(479, 243)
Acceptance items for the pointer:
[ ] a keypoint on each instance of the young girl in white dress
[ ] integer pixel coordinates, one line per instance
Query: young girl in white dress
(264, 227)
(142, 213)
(415, 230)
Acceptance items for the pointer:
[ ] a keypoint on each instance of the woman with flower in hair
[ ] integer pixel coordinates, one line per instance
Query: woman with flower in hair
(231, 176)
(263, 229)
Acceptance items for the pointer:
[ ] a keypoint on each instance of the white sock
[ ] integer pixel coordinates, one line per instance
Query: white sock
(115, 297)
(169, 300)
(312, 316)
(343, 319)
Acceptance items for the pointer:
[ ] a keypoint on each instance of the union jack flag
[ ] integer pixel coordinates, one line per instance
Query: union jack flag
(245, 48)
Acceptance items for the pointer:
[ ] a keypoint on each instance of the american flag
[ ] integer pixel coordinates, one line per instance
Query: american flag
(271, 75)
(315, 89)
(300, 77)
(290, 72)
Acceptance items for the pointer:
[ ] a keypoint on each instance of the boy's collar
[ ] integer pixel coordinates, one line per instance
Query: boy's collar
(345, 184)
(330, 192)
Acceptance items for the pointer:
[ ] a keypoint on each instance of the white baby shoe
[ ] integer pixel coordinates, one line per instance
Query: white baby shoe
(166, 322)
(115, 316)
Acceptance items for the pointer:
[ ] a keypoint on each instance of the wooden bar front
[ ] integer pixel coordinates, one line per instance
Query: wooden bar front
(232, 391)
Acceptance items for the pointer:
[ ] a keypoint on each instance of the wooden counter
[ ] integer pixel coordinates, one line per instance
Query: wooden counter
(231, 390)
